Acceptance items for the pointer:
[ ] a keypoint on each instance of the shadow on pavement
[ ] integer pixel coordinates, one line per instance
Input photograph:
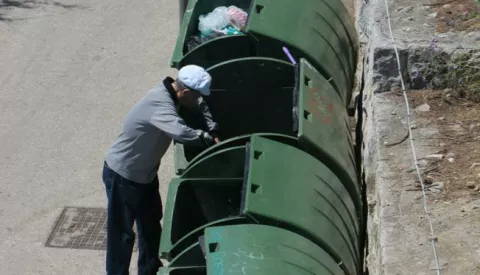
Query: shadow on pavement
(8, 5)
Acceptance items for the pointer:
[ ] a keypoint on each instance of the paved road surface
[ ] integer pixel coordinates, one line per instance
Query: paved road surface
(68, 75)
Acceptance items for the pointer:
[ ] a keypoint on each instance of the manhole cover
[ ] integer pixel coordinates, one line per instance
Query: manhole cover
(81, 228)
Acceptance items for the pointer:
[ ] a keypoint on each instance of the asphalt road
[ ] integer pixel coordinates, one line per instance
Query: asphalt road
(68, 75)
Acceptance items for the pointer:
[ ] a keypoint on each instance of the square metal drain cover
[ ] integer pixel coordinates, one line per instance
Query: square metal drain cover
(82, 228)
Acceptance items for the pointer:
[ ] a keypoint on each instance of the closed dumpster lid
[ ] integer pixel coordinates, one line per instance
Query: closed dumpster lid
(288, 187)
(261, 249)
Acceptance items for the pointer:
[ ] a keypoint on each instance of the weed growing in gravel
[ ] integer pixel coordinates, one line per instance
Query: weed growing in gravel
(458, 70)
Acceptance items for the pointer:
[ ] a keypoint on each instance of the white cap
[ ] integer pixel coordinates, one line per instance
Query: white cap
(196, 78)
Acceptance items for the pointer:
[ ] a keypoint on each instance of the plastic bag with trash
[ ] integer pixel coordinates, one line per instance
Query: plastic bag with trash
(238, 17)
(231, 20)
(214, 21)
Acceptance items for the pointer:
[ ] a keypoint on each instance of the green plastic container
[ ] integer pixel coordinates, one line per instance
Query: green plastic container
(249, 95)
(319, 30)
(263, 185)
(244, 104)
(324, 129)
(288, 186)
(191, 256)
(186, 158)
(260, 250)
(194, 204)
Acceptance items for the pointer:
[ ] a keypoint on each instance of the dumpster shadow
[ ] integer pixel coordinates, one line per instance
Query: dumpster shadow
(8, 6)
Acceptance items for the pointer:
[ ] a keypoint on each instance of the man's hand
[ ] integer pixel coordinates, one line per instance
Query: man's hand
(207, 138)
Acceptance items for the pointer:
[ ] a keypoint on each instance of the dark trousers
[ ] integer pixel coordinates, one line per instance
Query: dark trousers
(129, 201)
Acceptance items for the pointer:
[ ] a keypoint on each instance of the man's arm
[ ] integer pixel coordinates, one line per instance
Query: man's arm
(166, 119)
(212, 125)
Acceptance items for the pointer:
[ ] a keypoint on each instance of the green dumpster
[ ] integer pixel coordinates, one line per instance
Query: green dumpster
(318, 30)
(264, 187)
(185, 158)
(323, 127)
(194, 204)
(249, 95)
(191, 256)
(288, 186)
(260, 250)
(219, 164)
(210, 193)
(228, 163)
(245, 103)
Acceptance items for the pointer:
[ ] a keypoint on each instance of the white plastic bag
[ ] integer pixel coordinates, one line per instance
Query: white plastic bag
(213, 21)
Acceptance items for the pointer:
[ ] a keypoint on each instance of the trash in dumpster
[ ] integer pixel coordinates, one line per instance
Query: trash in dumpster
(194, 40)
(237, 17)
(219, 22)
(215, 20)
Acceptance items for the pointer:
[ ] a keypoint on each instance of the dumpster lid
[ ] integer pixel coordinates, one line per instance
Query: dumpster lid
(191, 256)
(263, 249)
(224, 163)
(318, 196)
(231, 142)
(323, 127)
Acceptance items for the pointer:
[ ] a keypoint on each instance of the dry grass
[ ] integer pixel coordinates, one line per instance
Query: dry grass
(458, 15)
(458, 121)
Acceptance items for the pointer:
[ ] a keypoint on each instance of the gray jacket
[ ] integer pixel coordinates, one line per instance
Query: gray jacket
(147, 132)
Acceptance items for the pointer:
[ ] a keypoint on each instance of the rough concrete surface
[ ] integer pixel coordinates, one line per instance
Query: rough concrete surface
(399, 241)
(68, 75)
(415, 34)
(399, 230)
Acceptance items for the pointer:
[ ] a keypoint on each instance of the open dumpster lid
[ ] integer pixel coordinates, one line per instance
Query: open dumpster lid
(323, 128)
